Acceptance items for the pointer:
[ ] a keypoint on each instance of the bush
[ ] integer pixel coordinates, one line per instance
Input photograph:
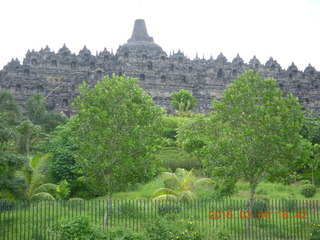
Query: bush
(174, 157)
(221, 234)
(123, 233)
(305, 182)
(308, 190)
(78, 228)
(168, 209)
(315, 231)
(172, 228)
(170, 127)
(257, 206)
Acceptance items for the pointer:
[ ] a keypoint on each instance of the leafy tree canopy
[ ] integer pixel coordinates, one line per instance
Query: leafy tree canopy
(254, 132)
(118, 127)
(183, 101)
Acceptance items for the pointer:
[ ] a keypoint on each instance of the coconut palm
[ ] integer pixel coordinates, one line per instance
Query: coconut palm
(180, 185)
(10, 111)
(26, 133)
(34, 176)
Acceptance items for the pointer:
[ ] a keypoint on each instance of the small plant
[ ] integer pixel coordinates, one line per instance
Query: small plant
(308, 190)
(172, 228)
(123, 233)
(168, 209)
(304, 182)
(221, 234)
(257, 206)
(78, 228)
(315, 231)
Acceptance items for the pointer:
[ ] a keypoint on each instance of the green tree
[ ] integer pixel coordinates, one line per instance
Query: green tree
(183, 101)
(10, 162)
(10, 111)
(254, 132)
(26, 133)
(36, 108)
(118, 129)
(51, 120)
(62, 145)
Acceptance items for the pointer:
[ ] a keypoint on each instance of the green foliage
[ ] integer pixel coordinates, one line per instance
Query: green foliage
(172, 228)
(63, 190)
(180, 185)
(51, 120)
(258, 205)
(192, 136)
(10, 111)
(254, 132)
(34, 176)
(165, 209)
(78, 228)
(124, 233)
(314, 231)
(311, 129)
(304, 182)
(27, 134)
(221, 234)
(118, 128)
(62, 145)
(174, 157)
(308, 190)
(36, 108)
(10, 185)
(183, 101)
(170, 128)
(37, 113)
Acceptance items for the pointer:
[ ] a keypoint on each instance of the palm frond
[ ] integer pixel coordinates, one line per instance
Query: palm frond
(187, 195)
(164, 191)
(47, 187)
(173, 177)
(166, 197)
(42, 196)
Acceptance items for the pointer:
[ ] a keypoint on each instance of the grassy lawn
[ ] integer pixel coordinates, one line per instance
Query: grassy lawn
(173, 157)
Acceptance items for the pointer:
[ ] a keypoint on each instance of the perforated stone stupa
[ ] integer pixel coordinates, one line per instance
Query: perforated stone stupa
(57, 75)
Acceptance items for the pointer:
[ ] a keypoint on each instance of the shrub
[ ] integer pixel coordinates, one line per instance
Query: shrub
(123, 233)
(221, 234)
(308, 190)
(304, 182)
(78, 228)
(168, 209)
(315, 231)
(172, 228)
(174, 157)
(257, 206)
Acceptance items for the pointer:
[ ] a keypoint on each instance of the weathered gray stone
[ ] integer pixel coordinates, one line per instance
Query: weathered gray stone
(57, 75)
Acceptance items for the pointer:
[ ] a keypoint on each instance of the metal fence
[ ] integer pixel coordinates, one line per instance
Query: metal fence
(272, 219)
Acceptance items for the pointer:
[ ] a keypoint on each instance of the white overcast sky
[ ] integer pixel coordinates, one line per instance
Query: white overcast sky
(287, 30)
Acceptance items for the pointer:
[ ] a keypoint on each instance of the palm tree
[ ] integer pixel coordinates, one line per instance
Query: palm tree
(180, 185)
(34, 176)
(10, 111)
(26, 132)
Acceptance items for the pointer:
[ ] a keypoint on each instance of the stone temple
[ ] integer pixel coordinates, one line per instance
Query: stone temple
(57, 75)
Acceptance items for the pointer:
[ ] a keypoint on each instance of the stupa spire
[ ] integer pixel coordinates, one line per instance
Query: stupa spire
(140, 32)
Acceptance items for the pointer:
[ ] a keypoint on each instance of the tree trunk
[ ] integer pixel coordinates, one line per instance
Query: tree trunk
(109, 206)
(252, 191)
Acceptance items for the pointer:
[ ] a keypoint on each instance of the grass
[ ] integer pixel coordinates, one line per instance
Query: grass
(272, 191)
(264, 190)
(142, 192)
